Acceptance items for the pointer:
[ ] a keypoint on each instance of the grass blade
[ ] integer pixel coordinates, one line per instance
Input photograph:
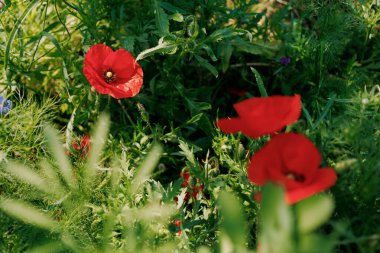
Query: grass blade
(98, 140)
(146, 168)
(28, 176)
(263, 91)
(28, 214)
(60, 157)
(324, 113)
(14, 32)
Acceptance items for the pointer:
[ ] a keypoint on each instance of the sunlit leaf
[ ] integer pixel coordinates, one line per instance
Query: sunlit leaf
(313, 212)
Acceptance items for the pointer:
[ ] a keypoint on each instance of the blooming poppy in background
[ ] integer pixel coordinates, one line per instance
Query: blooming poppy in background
(264, 115)
(178, 225)
(293, 161)
(192, 185)
(82, 147)
(114, 73)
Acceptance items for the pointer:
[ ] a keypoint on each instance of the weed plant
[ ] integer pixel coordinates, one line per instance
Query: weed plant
(199, 57)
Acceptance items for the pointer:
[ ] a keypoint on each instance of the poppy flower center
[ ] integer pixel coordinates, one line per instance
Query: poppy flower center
(295, 176)
(109, 76)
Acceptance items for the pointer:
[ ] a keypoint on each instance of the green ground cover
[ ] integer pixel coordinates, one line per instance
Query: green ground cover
(157, 174)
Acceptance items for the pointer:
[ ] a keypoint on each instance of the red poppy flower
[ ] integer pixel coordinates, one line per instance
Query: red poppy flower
(178, 224)
(82, 148)
(191, 184)
(264, 115)
(85, 143)
(293, 161)
(114, 73)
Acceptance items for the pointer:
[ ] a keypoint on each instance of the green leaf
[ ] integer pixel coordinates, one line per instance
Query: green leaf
(307, 116)
(225, 33)
(209, 52)
(57, 45)
(233, 221)
(14, 32)
(28, 214)
(162, 47)
(252, 48)
(192, 27)
(225, 54)
(313, 212)
(325, 111)
(263, 91)
(276, 222)
(162, 21)
(204, 63)
(178, 17)
(187, 152)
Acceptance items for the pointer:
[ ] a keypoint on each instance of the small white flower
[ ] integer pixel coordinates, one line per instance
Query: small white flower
(365, 101)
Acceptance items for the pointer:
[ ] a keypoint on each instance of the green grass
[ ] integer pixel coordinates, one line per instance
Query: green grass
(121, 196)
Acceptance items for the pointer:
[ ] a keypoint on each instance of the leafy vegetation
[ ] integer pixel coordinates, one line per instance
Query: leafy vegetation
(127, 193)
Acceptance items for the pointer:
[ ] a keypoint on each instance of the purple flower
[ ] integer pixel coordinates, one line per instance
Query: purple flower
(5, 105)
(284, 60)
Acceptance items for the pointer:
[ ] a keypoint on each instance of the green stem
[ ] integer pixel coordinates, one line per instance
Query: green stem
(126, 113)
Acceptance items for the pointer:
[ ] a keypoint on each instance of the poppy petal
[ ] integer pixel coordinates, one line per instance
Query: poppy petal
(324, 179)
(264, 115)
(128, 73)
(95, 57)
(122, 63)
(95, 80)
(269, 105)
(130, 88)
(266, 165)
(229, 126)
(298, 153)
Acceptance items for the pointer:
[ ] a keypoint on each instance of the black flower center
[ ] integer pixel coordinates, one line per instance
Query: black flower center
(295, 176)
(109, 76)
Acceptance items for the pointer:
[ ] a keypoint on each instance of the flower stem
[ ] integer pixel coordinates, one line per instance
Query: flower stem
(126, 113)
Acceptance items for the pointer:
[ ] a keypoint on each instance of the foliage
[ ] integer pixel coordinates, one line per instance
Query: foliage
(198, 57)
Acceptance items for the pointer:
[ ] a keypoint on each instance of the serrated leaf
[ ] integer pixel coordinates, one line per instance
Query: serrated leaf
(162, 21)
(224, 33)
(187, 152)
(192, 27)
(162, 47)
(204, 63)
(209, 52)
